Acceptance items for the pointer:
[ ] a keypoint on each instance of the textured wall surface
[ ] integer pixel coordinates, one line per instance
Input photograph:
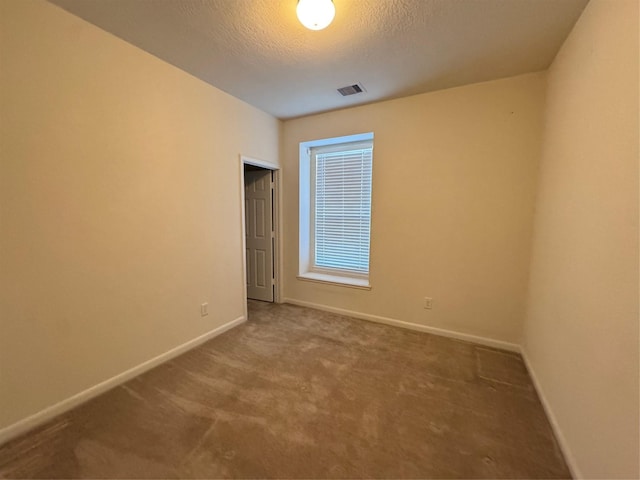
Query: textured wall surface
(581, 333)
(453, 189)
(258, 51)
(119, 203)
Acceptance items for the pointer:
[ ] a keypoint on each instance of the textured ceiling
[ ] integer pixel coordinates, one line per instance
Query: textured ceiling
(257, 50)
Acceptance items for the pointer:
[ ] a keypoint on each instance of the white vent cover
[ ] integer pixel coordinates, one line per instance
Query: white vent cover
(351, 89)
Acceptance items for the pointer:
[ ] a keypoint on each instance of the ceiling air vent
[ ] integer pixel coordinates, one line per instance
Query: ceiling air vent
(351, 89)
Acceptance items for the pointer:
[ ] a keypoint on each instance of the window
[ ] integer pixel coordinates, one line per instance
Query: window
(335, 209)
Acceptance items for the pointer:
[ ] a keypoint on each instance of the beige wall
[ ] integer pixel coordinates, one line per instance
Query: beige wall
(120, 214)
(119, 207)
(581, 335)
(453, 189)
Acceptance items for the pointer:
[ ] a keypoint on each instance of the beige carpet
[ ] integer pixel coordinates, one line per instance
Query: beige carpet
(297, 393)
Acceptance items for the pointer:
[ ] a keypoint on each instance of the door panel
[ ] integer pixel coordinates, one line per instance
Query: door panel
(261, 277)
(259, 228)
(260, 220)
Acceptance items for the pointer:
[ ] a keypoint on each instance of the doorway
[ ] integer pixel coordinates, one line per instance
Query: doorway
(260, 229)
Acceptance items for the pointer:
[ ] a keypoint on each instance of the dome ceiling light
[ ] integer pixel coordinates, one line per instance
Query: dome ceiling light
(316, 14)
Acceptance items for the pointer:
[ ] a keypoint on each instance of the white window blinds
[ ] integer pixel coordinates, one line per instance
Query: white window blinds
(342, 207)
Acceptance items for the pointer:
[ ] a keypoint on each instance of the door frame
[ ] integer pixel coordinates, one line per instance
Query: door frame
(277, 226)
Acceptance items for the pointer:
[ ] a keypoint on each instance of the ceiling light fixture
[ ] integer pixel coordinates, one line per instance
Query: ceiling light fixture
(316, 14)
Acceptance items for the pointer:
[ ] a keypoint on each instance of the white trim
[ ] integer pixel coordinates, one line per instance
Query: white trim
(306, 225)
(562, 441)
(243, 241)
(32, 421)
(357, 137)
(513, 347)
(259, 163)
(489, 342)
(277, 208)
(361, 283)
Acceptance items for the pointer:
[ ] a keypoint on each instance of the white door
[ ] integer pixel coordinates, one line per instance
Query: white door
(258, 197)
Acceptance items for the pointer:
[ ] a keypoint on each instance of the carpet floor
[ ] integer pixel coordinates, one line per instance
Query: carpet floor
(299, 393)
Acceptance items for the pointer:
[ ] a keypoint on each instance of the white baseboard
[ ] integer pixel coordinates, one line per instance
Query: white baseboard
(28, 423)
(513, 347)
(489, 342)
(562, 441)
(32, 421)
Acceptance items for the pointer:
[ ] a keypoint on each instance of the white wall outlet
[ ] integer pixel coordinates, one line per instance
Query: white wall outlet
(428, 303)
(204, 309)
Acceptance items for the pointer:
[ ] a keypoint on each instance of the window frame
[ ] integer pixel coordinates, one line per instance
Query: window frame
(307, 268)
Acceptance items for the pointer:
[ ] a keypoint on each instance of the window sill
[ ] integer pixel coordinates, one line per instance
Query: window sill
(361, 283)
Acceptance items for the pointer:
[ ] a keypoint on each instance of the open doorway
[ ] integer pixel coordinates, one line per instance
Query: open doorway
(260, 225)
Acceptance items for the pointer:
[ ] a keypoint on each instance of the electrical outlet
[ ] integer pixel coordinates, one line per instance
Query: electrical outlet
(204, 309)
(428, 303)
